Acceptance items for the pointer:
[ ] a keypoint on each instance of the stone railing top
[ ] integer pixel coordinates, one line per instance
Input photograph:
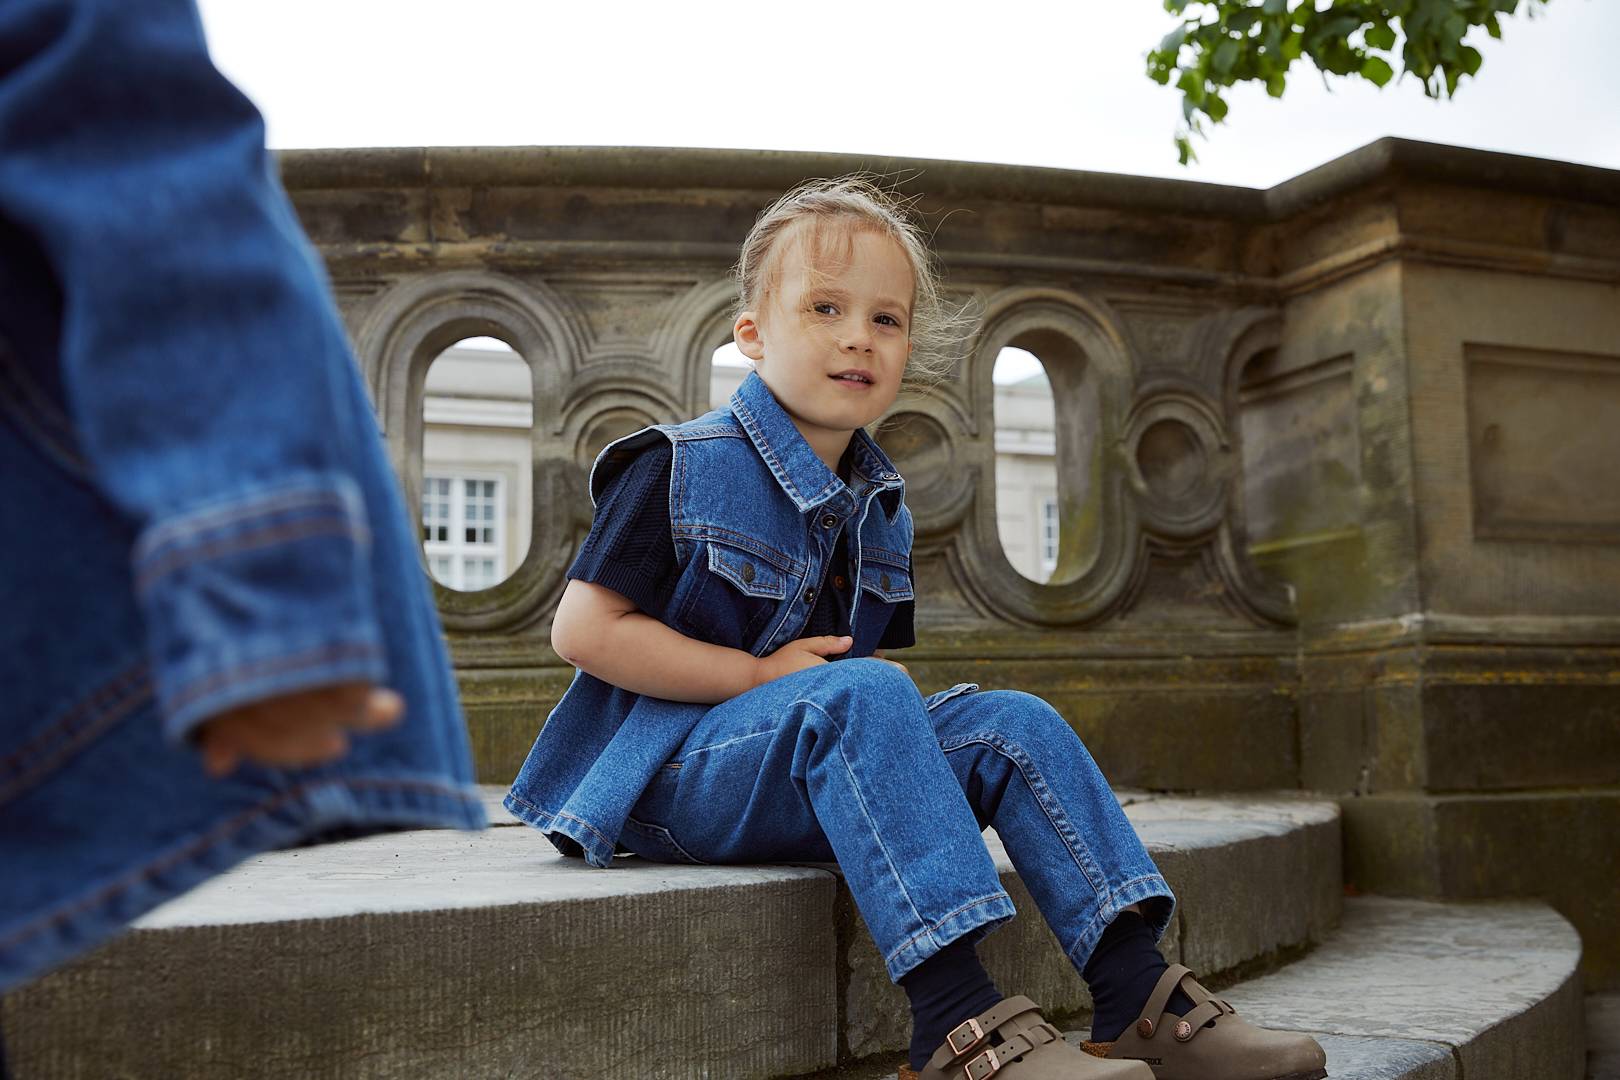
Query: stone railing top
(771, 170)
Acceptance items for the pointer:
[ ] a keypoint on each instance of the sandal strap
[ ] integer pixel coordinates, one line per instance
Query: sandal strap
(1197, 1018)
(970, 1034)
(992, 1059)
(1153, 1011)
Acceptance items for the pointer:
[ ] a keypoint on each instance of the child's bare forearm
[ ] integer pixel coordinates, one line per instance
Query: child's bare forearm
(635, 651)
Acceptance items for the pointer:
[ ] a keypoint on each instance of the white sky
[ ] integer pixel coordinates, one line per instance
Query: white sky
(1014, 81)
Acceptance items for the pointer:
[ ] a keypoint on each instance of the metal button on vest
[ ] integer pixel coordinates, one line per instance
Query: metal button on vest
(839, 581)
(883, 582)
(748, 572)
(829, 520)
(809, 596)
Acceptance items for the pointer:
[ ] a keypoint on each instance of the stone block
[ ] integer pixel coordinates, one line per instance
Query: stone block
(1556, 846)
(1497, 983)
(441, 954)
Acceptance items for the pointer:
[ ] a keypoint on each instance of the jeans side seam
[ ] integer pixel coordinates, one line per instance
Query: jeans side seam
(592, 829)
(861, 805)
(724, 743)
(1042, 793)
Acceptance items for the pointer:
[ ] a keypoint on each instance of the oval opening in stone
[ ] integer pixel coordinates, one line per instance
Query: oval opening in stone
(1028, 517)
(729, 369)
(477, 463)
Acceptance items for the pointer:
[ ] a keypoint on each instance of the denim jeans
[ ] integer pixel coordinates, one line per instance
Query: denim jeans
(847, 762)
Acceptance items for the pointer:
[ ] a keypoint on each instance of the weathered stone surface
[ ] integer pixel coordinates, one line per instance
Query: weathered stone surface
(1496, 982)
(1556, 846)
(439, 954)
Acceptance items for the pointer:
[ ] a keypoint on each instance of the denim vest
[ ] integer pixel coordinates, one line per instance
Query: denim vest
(754, 515)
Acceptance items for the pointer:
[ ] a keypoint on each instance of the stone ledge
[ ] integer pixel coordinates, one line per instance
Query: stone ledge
(447, 954)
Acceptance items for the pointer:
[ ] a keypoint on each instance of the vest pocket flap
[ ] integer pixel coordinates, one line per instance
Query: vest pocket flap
(891, 583)
(750, 573)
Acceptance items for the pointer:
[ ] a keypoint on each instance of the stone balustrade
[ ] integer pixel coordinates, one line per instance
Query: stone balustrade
(1337, 461)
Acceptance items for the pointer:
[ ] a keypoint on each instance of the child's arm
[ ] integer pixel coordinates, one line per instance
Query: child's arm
(605, 635)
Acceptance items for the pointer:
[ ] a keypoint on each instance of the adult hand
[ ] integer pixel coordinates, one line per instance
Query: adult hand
(297, 730)
(797, 655)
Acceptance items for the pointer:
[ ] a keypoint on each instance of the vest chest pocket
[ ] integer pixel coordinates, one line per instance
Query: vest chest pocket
(888, 583)
(734, 596)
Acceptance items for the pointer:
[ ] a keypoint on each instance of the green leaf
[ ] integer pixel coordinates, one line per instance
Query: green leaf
(1216, 107)
(1381, 36)
(1276, 84)
(1493, 27)
(1184, 149)
(1471, 60)
(1275, 7)
(1377, 70)
(1172, 41)
(1293, 47)
(1226, 55)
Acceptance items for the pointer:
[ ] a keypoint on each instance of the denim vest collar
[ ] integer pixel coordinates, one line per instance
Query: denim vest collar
(803, 476)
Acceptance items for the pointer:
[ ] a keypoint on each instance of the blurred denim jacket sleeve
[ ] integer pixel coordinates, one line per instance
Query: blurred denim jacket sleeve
(251, 553)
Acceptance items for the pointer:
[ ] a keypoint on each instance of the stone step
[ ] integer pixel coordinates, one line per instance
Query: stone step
(431, 954)
(1416, 990)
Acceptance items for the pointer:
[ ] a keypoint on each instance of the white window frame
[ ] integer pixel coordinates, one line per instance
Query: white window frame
(1048, 536)
(458, 549)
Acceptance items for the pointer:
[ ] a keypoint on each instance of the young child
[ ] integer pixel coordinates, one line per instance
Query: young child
(728, 615)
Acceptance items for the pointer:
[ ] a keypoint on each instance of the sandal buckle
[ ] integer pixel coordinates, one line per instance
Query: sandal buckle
(965, 1036)
(986, 1064)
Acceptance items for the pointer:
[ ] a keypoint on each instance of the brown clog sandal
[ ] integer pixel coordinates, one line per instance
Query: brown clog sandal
(1013, 1041)
(1210, 1042)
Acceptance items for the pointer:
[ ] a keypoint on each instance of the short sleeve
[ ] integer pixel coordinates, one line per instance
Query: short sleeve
(629, 549)
(900, 633)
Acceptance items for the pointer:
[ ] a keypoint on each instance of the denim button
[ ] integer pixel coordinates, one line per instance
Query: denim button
(809, 596)
(884, 582)
(839, 581)
(748, 572)
(829, 520)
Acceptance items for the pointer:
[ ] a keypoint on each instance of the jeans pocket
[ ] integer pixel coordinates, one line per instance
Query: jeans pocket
(934, 700)
(654, 843)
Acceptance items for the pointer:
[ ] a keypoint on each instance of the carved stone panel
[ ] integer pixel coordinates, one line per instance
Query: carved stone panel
(1543, 443)
(1301, 466)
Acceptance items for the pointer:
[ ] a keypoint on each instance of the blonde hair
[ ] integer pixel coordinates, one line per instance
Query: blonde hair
(848, 205)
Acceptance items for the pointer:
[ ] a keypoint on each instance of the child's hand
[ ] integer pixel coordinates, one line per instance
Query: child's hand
(878, 654)
(805, 652)
(310, 727)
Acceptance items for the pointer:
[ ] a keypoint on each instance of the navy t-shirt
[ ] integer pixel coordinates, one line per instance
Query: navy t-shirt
(629, 550)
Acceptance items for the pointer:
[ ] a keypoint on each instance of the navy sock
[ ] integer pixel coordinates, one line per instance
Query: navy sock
(945, 990)
(1121, 973)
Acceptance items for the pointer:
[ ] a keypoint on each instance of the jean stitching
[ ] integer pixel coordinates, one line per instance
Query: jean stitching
(40, 417)
(274, 666)
(928, 931)
(57, 742)
(592, 829)
(217, 516)
(1108, 909)
(861, 805)
(668, 837)
(237, 543)
(1048, 804)
(728, 742)
(214, 836)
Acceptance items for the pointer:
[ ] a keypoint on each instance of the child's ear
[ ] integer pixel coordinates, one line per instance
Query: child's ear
(746, 332)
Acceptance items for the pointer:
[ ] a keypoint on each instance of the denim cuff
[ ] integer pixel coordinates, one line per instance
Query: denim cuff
(258, 595)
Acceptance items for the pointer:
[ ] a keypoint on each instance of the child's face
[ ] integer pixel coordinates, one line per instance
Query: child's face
(848, 312)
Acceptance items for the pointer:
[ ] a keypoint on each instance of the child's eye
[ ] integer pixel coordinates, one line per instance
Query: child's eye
(823, 307)
(888, 320)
